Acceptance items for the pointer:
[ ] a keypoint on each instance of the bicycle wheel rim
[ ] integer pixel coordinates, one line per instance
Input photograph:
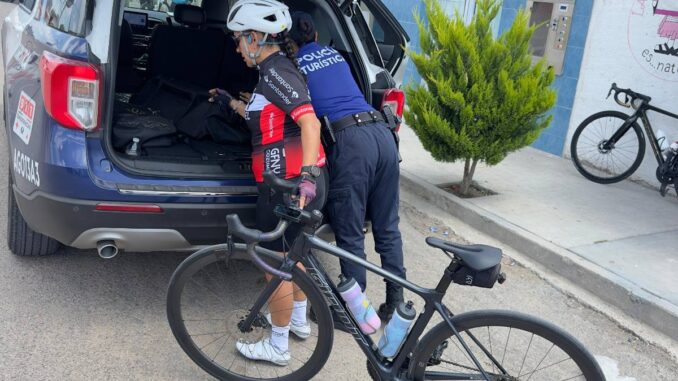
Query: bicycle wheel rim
(607, 164)
(545, 351)
(214, 350)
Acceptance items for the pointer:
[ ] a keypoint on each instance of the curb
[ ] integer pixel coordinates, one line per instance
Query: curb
(610, 287)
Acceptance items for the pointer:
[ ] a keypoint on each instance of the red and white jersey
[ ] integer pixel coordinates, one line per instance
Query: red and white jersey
(280, 98)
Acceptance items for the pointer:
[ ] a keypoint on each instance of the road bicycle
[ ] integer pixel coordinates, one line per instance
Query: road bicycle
(609, 146)
(218, 296)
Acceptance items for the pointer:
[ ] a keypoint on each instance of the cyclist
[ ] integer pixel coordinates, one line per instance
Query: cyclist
(363, 163)
(286, 141)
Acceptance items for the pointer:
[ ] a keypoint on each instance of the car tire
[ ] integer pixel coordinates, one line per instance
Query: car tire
(21, 239)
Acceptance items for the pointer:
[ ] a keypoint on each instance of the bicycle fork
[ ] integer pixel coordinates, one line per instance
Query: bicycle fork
(621, 131)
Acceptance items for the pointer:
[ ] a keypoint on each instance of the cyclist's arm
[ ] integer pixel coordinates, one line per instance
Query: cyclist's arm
(238, 106)
(310, 138)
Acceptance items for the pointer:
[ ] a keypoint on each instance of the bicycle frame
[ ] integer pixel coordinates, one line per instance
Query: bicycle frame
(433, 303)
(641, 112)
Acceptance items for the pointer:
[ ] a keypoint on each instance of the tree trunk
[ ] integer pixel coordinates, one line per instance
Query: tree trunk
(469, 171)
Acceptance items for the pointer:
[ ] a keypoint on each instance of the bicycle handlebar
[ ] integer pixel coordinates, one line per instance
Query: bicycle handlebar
(627, 93)
(279, 184)
(253, 236)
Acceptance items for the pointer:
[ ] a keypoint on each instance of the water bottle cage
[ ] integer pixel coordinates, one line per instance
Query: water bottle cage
(667, 173)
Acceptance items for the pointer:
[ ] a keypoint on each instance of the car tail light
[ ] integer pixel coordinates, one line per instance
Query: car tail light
(70, 90)
(131, 208)
(394, 98)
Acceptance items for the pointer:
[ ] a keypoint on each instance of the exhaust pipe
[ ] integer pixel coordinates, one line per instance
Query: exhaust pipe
(107, 249)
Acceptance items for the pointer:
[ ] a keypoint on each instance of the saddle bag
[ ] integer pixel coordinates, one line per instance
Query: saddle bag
(466, 276)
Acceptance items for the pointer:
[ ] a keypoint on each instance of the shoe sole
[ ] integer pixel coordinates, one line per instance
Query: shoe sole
(279, 363)
(286, 363)
(298, 334)
(301, 335)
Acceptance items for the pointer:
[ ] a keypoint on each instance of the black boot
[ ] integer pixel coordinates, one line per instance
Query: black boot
(394, 296)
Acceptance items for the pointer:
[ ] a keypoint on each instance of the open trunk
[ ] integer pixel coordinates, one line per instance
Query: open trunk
(163, 124)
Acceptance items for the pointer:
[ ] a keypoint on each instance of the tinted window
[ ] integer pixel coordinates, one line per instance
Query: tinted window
(159, 5)
(28, 4)
(65, 15)
(363, 21)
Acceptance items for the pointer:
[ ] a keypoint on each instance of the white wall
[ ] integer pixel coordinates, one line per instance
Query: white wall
(620, 48)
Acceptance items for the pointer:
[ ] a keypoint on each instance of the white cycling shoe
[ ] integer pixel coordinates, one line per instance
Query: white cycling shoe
(301, 331)
(263, 350)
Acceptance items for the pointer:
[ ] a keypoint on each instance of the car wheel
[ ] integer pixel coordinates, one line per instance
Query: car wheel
(21, 239)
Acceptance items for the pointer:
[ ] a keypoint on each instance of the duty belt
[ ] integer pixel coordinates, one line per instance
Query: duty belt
(359, 119)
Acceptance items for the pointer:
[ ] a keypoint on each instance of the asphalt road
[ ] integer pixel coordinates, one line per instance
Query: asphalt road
(74, 316)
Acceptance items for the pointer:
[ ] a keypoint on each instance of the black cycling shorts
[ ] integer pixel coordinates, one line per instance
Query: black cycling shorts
(267, 220)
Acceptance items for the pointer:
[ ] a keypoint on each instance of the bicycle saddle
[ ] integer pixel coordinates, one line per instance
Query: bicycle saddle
(477, 257)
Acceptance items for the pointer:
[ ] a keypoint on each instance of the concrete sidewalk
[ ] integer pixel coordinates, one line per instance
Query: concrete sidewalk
(618, 241)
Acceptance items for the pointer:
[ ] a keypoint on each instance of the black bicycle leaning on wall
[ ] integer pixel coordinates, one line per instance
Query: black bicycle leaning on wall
(217, 297)
(609, 146)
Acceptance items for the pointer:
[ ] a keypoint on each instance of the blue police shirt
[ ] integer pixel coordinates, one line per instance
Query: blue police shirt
(333, 90)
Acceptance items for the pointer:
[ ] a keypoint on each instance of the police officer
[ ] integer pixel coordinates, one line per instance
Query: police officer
(363, 163)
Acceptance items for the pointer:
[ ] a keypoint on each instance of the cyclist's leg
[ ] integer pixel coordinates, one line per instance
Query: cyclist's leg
(288, 303)
(383, 205)
(274, 348)
(352, 160)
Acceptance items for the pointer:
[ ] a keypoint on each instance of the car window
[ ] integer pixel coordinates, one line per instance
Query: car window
(368, 30)
(27, 4)
(166, 6)
(65, 15)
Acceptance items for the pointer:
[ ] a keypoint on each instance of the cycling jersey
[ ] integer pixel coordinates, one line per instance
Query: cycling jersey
(278, 101)
(334, 90)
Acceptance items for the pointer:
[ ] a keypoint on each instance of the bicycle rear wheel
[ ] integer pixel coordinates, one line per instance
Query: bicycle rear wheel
(612, 164)
(509, 346)
(211, 292)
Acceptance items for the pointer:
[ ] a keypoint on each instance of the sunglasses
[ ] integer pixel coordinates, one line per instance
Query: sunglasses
(236, 37)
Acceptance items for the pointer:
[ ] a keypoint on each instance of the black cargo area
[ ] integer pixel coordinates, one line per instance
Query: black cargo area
(162, 117)
(162, 121)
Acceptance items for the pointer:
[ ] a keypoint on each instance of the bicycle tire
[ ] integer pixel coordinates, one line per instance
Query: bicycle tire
(476, 321)
(209, 255)
(586, 167)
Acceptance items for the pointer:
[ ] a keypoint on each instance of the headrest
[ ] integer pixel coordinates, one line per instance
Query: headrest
(189, 15)
(216, 10)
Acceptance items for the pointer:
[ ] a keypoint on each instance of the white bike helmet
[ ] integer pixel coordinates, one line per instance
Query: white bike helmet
(266, 16)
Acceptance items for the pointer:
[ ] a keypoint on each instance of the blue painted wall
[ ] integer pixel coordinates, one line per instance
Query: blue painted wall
(553, 138)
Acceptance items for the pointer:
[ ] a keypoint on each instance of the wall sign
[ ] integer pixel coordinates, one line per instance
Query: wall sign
(652, 35)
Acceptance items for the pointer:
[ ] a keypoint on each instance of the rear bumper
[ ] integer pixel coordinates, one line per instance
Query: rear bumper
(76, 223)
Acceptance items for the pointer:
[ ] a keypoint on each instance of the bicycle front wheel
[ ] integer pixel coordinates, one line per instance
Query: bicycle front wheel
(211, 293)
(601, 162)
(508, 346)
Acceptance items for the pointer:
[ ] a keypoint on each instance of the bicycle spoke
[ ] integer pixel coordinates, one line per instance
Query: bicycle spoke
(208, 344)
(542, 360)
(526, 352)
(489, 339)
(506, 346)
(222, 347)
